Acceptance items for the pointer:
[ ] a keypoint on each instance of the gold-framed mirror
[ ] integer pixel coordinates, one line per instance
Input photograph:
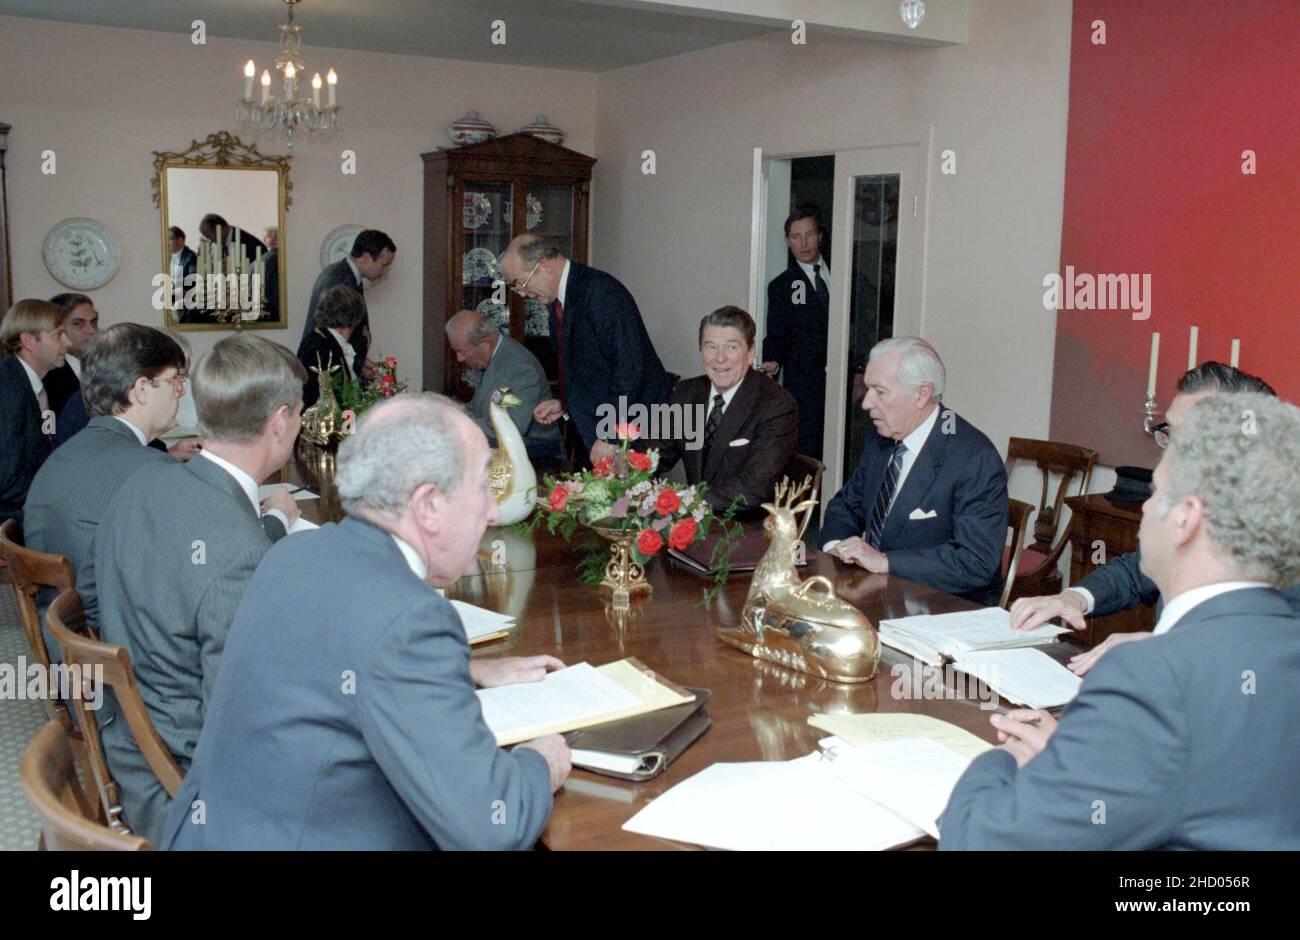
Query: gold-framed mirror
(222, 206)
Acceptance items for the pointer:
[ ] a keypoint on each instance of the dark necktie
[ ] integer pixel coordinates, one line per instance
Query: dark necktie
(559, 349)
(823, 292)
(715, 420)
(876, 528)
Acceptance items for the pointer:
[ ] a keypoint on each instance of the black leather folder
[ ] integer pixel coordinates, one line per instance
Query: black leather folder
(646, 744)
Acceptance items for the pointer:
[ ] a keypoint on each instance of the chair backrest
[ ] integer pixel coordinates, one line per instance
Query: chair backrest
(1018, 513)
(1069, 460)
(31, 572)
(800, 466)
(95, 658)
(66, 811)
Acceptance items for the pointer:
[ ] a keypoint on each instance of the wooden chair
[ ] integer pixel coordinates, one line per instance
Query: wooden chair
(68, 813)
(31, 572)
(1038, 572)
(800, 466)
(1018, 513)
(67, 622)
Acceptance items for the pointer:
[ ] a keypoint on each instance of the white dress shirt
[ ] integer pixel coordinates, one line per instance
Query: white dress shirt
(413, 560)
(349, 354)
(1181, 605)
(75, 363)
(808, 270)
(247, 484)
(562, 291)
(139, 435)
(913, 442)
(727, 396)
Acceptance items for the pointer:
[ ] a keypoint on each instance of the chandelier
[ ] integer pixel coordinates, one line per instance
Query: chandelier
(293, 110)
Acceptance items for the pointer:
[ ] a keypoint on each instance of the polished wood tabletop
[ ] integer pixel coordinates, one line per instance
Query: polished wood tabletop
(760, 711)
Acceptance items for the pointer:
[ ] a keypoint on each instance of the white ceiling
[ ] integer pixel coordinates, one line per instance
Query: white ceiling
(564, 34)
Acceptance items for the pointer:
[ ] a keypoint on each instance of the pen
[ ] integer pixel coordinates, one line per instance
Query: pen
(1031, 721)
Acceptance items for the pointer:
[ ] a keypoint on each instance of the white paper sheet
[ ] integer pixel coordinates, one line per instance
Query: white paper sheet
(576, 693)
(479, 621)
(772, 805)
(1026, 676)
(913, 777)
(267, 489)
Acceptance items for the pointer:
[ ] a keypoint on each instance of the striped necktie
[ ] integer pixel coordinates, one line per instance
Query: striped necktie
(886, 495)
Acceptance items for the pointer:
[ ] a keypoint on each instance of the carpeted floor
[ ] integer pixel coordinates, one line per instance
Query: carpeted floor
(19, 722)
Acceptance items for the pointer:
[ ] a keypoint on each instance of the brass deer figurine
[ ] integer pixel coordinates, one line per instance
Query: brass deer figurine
(320, 421)
(801, 624)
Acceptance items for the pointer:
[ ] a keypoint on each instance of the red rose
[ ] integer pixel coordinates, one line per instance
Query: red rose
(559, 499)
(682, 534)
(638, 460)
(668, 502)
(627, 432)
(387, 379)
(391, 362)
(649, 542)
(603, 467)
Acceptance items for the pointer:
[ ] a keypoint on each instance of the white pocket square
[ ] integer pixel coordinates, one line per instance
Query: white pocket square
(917, 514)
(739, 442)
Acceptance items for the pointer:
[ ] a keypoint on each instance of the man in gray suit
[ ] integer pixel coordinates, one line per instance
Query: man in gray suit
(132, 381)
(371, 257)
(503, 362)
(345, 715)
(177, 546)
(1187, 740)
(1120, 584)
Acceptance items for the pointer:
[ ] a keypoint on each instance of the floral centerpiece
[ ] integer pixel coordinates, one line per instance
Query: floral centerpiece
(342, 401)
(621, 499)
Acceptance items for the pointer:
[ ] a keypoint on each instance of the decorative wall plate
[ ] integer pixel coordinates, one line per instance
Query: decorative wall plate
(81, 253)
(497, 313)
(478, 209)
(534, 212)
(478, 266)
(338, 243)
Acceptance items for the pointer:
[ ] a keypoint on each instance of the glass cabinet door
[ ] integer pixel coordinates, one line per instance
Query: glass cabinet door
(548, 212)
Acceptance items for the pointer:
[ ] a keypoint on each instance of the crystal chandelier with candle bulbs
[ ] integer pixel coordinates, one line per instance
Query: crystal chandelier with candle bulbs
(294, 109)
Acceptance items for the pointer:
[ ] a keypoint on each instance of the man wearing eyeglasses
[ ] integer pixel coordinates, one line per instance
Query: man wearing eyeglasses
(602, 350)
(1119, 584)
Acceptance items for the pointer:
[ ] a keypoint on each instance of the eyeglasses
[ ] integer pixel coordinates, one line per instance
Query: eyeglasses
(1161, 433)
(177, 382)
(519, 288)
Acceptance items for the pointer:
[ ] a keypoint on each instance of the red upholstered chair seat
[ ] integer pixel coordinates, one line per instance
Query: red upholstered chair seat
(1029, 560)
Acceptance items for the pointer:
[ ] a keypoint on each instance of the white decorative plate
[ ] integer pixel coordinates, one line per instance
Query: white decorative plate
(338, 243)
(479, 264)
(477, 210)
(534, 212)
(497, 313)
(81, 253)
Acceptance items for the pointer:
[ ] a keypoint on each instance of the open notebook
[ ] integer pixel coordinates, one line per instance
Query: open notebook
(933, 638)
(576, 697)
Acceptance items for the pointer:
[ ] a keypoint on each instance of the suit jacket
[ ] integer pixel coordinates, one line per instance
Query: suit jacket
(762, 414)
(320, 348)
(271, 287)
(1184, 741)
(607, 351)
(23, 446)
(346, 718)
(961, 479)
(514, 367)
(173, 555)
(71, 493)
(1119, 585)
(796, 338)
(331, 276)
(61, 385)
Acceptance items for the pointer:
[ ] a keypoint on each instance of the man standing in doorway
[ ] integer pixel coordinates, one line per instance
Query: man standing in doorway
(798, 311)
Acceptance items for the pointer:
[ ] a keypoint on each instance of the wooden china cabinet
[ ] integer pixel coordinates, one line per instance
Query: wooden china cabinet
(476, 199)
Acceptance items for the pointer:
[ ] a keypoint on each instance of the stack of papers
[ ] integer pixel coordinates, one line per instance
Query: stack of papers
(1024, 676)
(801, 804)
(577, 697)
(932, 638)
(860, 730)
(481, 624)
(267, 489)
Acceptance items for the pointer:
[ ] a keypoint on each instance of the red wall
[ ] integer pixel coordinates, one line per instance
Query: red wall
(1159, 117)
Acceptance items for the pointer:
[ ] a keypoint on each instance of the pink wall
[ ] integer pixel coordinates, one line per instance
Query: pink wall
(102, 99)
(1159, 117)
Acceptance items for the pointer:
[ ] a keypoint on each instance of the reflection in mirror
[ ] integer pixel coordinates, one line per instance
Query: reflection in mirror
(223, 207)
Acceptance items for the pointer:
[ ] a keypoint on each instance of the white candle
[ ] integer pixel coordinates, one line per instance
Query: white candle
(315, 89)
(1236, 353)
(1155, 357)
(333, 80)
(1191, 350)
(289, 74)
(266, 85)
(249, 71)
